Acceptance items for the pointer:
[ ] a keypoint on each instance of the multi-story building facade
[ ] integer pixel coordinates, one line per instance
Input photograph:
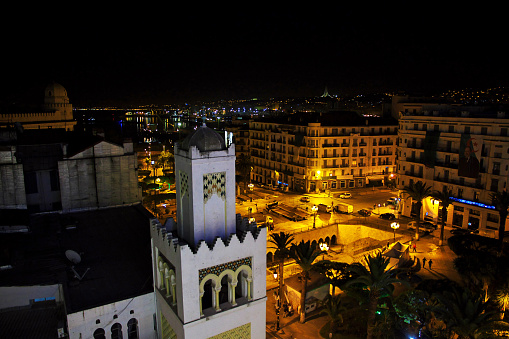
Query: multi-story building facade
(456, 149)
(309, 152)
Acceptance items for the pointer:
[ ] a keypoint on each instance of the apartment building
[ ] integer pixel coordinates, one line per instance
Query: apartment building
(456, 149)
(312, 152)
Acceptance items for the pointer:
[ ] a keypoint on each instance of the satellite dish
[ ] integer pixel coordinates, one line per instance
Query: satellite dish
(73, 257)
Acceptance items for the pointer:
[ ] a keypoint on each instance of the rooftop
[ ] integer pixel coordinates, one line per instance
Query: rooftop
(333, 118)
(114, 244)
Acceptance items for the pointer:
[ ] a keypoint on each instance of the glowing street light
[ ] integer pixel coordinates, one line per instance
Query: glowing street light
(314, 209)
(324, 248)
(394, 227)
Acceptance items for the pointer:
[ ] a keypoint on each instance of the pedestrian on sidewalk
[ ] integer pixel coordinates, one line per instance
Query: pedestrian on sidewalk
(429, 263)
(423, 262)
(415, 247)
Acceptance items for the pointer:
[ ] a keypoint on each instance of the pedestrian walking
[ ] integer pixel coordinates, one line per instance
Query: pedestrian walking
(423, 262)
(415, 247)
(429, 263)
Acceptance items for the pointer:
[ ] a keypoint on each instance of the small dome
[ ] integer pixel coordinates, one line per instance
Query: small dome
(55, 93)
(205, 139)
(55, 90)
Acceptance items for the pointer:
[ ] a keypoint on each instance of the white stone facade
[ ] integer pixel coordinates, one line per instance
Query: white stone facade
(134, 314)
(210, 267)
(101, 176)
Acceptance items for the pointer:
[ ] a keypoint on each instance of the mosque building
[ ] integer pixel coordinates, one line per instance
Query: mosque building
(56, 112)
(209, 266)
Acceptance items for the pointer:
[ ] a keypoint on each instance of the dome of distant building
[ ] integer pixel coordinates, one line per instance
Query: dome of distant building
(205, 139)
(55, 93)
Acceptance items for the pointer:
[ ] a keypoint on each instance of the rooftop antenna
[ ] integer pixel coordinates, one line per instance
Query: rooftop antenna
(75, 258)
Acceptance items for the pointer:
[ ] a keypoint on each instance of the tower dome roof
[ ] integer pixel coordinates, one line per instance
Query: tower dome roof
(55, 90)
(55, 93)
(205, 139)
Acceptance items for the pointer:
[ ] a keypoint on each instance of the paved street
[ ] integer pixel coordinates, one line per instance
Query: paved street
(364, 198)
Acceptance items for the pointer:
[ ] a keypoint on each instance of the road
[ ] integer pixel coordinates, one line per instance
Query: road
(361, 199)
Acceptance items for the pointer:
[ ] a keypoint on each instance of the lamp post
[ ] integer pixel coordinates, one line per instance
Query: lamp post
(394, 227)
(324, 248)
(250, 186)
(278, 303)
(314, 209)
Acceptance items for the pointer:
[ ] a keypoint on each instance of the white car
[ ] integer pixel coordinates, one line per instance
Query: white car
(392, 201)
(345, 195)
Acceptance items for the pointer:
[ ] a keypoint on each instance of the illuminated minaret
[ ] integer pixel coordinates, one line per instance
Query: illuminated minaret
(210, 266)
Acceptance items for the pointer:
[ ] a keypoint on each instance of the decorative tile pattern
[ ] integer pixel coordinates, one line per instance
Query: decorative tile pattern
(218, 269)
(241, 332)
(183, 183)
(214, 183)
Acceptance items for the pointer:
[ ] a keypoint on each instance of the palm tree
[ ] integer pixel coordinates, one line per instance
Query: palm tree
(466, 314)
(502, 299)
(166, 158)
(418, 191)
(445, 200)
(501, 203)
(304, 254)
(243, 166)
(333, 308)
(281, 243)
(377, 280)
(413, 307)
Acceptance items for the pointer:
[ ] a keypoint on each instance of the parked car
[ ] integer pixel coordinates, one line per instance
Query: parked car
(463, 231)
(428, 224)
(304, 199)
(424, 225)
(345, 195)
(272, 205)
(393, 200)
(364, 212)
(388, 216)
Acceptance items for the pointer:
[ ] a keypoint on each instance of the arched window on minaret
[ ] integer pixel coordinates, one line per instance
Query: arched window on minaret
(99, 334)
(223, 294)
(208, 295)
(116, 331)
(132, 329)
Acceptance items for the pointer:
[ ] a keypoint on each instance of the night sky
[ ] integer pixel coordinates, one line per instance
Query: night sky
(175, 55)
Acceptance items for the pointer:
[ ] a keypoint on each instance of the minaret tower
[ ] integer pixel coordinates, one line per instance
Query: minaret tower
(205, 187)
(209, 266)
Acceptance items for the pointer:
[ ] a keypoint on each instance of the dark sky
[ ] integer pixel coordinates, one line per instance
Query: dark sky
(170, 55)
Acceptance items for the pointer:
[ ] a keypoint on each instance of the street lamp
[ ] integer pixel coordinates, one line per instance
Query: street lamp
(278, 303)
(250, 186)
(394, 227)
(314, 209)
(324, 248)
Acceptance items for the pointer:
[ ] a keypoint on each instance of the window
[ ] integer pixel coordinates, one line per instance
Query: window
(132, 329)
(116, 331)
(99, 334)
